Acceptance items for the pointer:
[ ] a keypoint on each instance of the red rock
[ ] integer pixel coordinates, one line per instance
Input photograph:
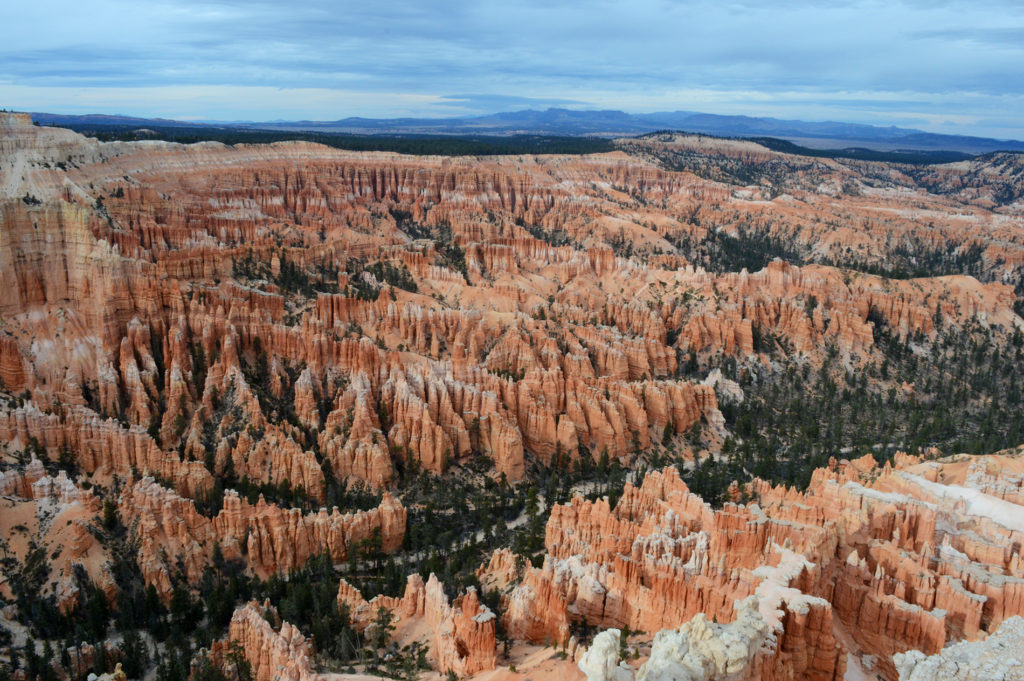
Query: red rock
(274, 652)
(267, 538)
(463, 633)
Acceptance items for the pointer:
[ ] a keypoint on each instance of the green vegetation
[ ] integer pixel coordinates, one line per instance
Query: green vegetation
(365, 280)
(965, 397)
(419, 145)
(722, 252)
(292, 278)
(914, 157)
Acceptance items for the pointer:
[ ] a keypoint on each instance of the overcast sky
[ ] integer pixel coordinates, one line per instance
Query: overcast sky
(955, 67)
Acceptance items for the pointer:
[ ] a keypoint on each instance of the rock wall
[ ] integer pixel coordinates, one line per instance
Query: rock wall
(275, 652)
(101, 447)
(267, 538)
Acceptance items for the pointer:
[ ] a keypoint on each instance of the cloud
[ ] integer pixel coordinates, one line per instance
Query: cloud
(1011, 37)
(217, 102)
(528, 54)
(489, 103)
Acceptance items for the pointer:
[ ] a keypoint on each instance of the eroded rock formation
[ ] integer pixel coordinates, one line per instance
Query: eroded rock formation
(867, 562)
(267, 538)
(275, 650)
(462, 638)
(481, 339)
(662, 556)
(301, 319)
(997, 657)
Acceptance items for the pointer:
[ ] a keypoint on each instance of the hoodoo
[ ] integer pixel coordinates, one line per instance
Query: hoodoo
(688, 408)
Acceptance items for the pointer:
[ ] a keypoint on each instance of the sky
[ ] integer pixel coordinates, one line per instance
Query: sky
(942, 66)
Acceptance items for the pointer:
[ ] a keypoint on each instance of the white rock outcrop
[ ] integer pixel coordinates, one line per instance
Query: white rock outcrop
(704, 651)
(1000, 657)
(601, 661)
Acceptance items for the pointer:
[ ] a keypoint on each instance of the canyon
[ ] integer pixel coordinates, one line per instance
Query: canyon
(646, 410)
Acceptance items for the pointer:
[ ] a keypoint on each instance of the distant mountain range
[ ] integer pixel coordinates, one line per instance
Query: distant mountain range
(568, 122)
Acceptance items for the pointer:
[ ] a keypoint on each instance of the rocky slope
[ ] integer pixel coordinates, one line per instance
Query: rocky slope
(51, 519)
